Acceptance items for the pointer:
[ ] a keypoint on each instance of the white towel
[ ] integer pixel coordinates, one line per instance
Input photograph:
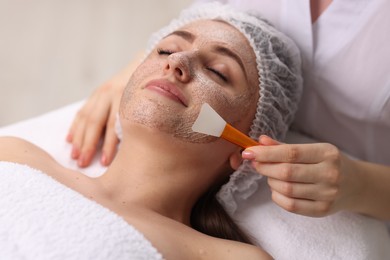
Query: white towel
(290, 236)
(283, 234)
(42, 219)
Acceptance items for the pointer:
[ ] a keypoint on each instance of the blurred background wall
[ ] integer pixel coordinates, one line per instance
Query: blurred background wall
(55, 52)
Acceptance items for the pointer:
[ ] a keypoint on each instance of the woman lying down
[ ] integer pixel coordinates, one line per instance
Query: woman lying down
(156, 200)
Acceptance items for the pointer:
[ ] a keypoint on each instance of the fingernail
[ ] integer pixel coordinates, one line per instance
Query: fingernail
(248, 154)
(103, 160)
(264, 138)
(69, 138)
(75, 152)
(81, 161)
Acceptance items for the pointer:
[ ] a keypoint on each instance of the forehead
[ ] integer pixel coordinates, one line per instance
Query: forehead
(220, 32)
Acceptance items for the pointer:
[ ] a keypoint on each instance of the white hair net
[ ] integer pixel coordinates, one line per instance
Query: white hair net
(279, 69)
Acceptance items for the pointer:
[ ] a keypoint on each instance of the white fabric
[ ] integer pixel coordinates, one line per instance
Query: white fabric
(288, 236)
(283, 234)
(43, 219)
(348, 80)
(346, 63)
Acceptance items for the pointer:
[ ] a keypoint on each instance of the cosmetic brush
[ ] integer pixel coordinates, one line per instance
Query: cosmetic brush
(210, 123)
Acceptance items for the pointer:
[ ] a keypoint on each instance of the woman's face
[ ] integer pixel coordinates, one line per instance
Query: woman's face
(203, 62)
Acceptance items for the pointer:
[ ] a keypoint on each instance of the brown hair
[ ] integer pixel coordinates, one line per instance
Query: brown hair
(209, 217)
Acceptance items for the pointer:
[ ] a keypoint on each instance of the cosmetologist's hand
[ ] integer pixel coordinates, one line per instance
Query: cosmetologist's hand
(95, 121)
(308, 179)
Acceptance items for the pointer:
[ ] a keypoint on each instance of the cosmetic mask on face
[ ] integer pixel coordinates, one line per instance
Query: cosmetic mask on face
(235, 101)
(280, 83)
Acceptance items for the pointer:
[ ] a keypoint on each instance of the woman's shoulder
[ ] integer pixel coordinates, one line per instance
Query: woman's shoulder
(178, 241)
(18, 150)
(217, 248)
(227, 249)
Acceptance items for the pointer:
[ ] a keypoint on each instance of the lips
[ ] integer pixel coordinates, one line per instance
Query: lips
(168, 89)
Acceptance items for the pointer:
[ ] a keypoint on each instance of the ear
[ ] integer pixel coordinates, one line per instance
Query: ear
(235, 159)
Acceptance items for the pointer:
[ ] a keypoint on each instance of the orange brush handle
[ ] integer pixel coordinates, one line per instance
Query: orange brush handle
(236, 137)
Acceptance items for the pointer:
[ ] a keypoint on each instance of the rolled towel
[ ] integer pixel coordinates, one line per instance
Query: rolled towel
(42, 219)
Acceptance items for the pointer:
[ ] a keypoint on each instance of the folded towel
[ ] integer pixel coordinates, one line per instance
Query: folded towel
(290, 236)
(42, 219)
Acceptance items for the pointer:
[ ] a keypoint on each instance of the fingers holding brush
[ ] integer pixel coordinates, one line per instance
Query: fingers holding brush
(306, 179)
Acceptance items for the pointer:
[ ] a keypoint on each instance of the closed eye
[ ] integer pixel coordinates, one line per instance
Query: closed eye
(164, 52)
(161, 51)
(219, 74)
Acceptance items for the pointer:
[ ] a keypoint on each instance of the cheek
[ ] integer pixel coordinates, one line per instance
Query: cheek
(240, 111)
(137, 80)
(236, 109)
(145, 70)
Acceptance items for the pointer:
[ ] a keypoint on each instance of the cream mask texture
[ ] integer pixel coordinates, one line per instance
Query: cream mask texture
(169, 87)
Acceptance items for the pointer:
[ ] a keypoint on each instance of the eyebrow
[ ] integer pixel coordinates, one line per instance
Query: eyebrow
(227, 52)
(218, 49)
(183, 34)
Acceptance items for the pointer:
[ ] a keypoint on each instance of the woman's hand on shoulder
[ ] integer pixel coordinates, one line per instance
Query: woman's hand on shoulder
(95, 121)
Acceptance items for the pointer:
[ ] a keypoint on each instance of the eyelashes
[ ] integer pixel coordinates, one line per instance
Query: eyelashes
(219, 74)
(164, 51)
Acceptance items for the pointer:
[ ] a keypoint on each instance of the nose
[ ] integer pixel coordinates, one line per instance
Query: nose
(179, 64)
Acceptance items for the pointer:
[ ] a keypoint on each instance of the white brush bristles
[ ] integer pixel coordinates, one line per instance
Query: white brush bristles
(209, 122)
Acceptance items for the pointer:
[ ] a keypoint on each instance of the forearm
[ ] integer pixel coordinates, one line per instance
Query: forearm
(373, 194)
